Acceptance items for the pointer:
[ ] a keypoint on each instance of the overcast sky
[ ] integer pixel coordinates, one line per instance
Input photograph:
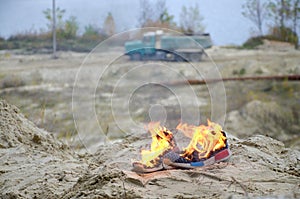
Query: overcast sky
(222, 18)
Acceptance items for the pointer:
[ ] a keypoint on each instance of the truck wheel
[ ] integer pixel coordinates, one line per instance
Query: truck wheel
(135, 57)
(195, 57)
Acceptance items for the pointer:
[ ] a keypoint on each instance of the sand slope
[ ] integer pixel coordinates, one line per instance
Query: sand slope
(33, 163)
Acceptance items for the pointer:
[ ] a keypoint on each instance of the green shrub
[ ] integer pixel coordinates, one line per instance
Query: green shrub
(66, 40)
(11, 81)
(253, 42)
(243, 71)
(259, 71)
(90, 32)
(240, 72)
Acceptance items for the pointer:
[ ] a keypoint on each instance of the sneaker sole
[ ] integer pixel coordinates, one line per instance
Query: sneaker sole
(140, 168)
(219, 157)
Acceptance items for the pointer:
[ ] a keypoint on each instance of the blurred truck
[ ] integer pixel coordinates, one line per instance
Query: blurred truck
(160, 46)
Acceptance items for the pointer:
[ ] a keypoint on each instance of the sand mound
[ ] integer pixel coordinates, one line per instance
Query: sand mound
(17, 131)
(276, 45)
(34, 164)
(260, 166)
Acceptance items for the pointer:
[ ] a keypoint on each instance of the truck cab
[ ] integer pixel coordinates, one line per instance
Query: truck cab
(139, 49)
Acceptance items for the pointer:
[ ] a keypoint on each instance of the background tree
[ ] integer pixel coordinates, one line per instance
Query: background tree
(255, 11)
(146, 12)
(109, 25)
(65, 29)
(71, 27)
(91, 32)
(279, 12)
(284, 14)
(159, 9)
(54, 17)
(167, 19)
(295, 15)
(155, 15)
(191, 20)
(59, 17)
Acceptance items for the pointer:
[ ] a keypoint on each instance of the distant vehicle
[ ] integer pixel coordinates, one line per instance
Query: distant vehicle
(160, 46)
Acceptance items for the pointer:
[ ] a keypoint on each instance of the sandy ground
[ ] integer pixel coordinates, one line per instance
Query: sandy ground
(95, 115)
(106, 95)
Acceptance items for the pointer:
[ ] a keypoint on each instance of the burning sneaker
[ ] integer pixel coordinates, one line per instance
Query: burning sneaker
(163, 142)
(176, 160)
(208, 146)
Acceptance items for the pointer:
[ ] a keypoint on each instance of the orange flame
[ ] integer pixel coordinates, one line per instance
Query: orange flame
(205, 139)
(162, 141)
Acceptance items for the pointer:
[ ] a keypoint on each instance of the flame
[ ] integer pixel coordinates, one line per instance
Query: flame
(162, 141)
(205, 139)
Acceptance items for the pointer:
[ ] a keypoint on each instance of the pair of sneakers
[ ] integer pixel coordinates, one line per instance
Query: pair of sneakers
(173, 159)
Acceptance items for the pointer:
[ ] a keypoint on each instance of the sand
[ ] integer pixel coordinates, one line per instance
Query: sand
(35, 164)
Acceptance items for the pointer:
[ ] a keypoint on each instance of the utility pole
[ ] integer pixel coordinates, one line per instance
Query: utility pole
(54, 29)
